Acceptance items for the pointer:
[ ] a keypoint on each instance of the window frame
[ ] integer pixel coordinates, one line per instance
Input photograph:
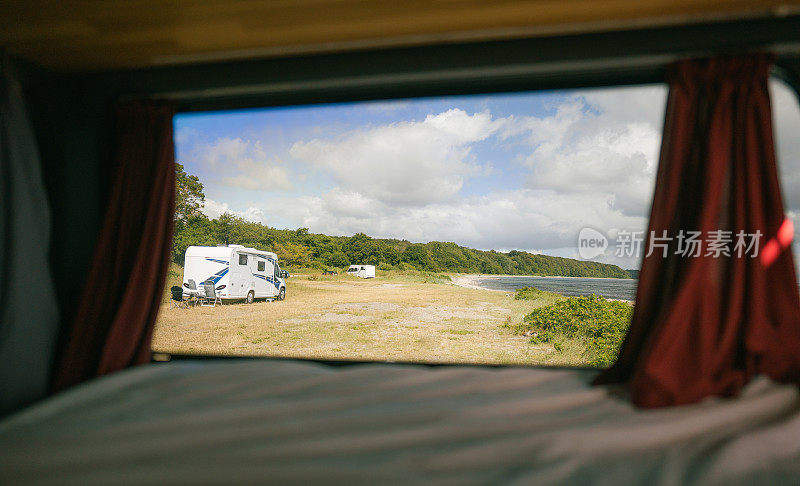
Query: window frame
(601, 59)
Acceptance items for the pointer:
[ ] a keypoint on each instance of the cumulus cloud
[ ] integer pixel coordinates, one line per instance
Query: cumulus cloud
(602, 142)
(591, 162)
(244, 164)
(533, 220)
(214, 209)
(406, 163)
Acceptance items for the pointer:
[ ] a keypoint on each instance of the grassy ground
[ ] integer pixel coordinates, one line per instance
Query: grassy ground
(399, 316)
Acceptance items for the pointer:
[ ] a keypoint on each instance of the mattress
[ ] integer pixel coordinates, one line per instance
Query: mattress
(274, 421)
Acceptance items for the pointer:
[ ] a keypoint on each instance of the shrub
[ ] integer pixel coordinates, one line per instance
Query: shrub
(599, 323)
(385, 267)
(437, 278)
(527, 293)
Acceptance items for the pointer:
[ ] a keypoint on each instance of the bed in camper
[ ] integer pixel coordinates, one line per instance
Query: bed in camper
(87, 98)
(279, 422)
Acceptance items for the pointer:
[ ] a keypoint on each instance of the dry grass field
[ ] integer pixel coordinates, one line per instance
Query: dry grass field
(389, 318)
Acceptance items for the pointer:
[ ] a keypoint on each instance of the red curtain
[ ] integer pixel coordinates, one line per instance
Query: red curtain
(705, 325)
(116, 312)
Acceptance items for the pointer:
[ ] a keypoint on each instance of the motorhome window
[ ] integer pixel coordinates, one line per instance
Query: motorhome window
(474, 229)
(262, 266)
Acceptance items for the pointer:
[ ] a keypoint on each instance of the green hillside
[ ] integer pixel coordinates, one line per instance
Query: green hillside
(299, 248)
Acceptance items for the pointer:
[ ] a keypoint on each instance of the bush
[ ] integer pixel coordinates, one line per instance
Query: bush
(437, 278)
(527, 293)
(601, 325)
(385, 267)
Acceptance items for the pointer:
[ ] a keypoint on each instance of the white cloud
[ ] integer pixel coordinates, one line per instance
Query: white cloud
(603, 142)
(591, 163)
(534, 220)
(244, 164)
(404, 163)
(214, 209)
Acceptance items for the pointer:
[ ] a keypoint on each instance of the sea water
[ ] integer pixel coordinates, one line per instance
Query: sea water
(610, 288)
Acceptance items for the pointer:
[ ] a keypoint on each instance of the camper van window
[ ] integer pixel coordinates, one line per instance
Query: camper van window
(429, 229)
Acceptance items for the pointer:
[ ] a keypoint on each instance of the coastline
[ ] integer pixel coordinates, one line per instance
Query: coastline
(496, 276)
(470, 281)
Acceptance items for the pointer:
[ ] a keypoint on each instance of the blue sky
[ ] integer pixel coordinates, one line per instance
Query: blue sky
(512, 171)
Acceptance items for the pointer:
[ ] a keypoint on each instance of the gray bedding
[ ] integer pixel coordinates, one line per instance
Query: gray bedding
(259, 422)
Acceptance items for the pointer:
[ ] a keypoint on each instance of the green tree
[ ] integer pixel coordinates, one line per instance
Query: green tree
(196, 230)
(189, 197)
(224, 228)
(293, 254)
(362, 249)
(417, 254)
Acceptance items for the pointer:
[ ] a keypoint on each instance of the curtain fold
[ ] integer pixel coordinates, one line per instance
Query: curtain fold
(28, 309)
(117, 309)
(704, 325)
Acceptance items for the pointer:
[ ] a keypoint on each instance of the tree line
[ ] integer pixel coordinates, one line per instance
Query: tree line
(301, 248)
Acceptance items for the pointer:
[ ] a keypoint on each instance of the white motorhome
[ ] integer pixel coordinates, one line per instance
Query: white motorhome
(363, 271)
(237, 272)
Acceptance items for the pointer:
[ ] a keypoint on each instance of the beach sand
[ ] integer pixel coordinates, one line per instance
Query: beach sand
(470, 281)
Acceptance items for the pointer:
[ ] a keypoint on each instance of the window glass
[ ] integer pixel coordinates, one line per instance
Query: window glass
(469, 209)
(261, 266)
(786, 122)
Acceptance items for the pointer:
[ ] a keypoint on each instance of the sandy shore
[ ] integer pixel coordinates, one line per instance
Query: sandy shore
(471, 281)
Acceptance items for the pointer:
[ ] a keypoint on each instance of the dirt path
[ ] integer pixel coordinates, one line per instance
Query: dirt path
(348, 318)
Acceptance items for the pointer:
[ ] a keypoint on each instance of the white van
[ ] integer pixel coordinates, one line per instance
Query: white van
(363, 271)
(237, 272)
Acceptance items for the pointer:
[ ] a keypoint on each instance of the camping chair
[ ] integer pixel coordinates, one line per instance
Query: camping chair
(177, 297)
(194, 295)
(209, 297)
